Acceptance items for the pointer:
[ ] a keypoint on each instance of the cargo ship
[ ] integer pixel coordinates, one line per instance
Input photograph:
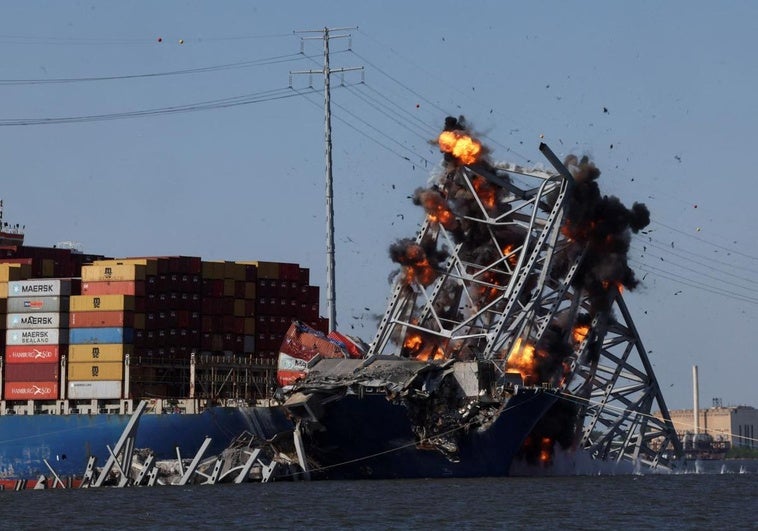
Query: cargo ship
(84, 337)
(504, 325)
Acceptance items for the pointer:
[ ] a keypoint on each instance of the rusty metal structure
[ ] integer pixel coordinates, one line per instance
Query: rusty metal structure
(500, 271)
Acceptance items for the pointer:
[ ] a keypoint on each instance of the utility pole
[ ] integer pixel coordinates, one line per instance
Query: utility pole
(327, 71)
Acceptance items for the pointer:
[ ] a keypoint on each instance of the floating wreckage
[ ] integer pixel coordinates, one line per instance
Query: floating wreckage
(505, 337)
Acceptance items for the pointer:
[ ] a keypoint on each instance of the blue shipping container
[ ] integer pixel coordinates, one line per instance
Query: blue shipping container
(82, 336)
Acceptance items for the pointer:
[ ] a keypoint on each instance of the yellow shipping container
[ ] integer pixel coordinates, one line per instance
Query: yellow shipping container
(239, 308)
(15, 272)
(151, 264)
(115, 271)
(228, 287)
(250, 290)
(112, 370)
(268, 270)
(249, 326)
(88, 303)
(48, 267)
(103, 352)
(213, 269)
(3, 289)
(234, 270)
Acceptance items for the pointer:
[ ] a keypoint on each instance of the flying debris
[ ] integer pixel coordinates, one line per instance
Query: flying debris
(505, 336)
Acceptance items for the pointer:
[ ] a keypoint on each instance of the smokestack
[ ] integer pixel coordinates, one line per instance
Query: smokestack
(696, 399)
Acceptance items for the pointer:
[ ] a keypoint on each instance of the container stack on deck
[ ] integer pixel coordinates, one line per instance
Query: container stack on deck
(163, 327)
(36, 337)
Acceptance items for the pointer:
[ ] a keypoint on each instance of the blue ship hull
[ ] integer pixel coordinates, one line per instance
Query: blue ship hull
(370, 437)
(67, 441)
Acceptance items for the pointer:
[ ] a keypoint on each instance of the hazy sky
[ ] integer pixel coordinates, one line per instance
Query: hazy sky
(659, 95)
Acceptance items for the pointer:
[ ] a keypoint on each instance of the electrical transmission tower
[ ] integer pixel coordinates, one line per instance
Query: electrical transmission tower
(327, 71)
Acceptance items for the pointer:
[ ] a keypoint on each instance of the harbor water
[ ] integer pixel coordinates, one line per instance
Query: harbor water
(710, 495)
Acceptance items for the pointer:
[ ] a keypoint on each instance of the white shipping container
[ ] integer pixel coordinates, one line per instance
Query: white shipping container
(85, 390)
(37, 304)
(41, 287)
(37, 336)
(37, 320)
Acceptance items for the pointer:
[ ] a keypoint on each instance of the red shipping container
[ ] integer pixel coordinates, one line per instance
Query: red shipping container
(108, 287)
(33, 354)
(37, 390)
(31, 372)
(101, 319)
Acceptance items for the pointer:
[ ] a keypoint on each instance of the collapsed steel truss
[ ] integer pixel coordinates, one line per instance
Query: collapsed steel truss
(511, 284)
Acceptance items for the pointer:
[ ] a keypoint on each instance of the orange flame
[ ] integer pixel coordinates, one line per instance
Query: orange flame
(524, 360)
(580, 333)
(546, 451)
(485, 191)
(462, 147)
(512, 258)
(414, 343)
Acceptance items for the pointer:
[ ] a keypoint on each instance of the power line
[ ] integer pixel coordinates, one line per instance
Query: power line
(246, 99)
(214, 68)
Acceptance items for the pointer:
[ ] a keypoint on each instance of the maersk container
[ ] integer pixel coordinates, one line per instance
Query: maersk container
(37, 336)
(32, 372)
(99, 371)
(37, 320)
(42, 287)
(100, 352)
(80, 336)
(113, 271)
(37, 304)
(37, 390)
(88, 303)
(86, 390)
(33, 354)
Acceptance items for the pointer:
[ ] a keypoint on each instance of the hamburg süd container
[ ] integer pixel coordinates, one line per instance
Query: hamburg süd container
(33, 354)
(32, 372)
(31, 390)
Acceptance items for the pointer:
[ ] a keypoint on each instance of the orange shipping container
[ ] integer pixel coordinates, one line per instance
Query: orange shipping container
(111, 319)
(116, 287)
(88, 371)
(88, 303)
(114, 271)
(99, 352)
(31, 390)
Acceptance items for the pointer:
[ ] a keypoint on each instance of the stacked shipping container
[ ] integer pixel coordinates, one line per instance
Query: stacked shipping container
(36, 337)
(133, 324)
(103, 322)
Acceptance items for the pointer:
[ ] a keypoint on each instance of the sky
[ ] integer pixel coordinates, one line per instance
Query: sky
(178, 128)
